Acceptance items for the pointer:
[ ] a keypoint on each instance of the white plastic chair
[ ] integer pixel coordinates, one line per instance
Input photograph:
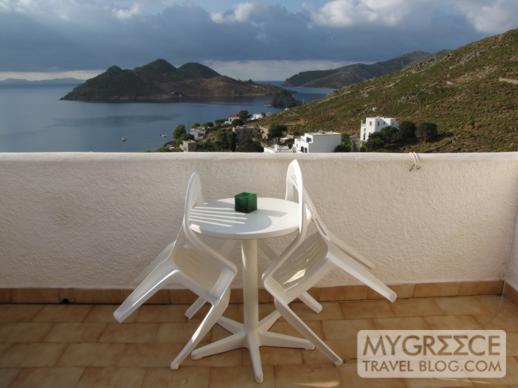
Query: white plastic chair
(303, 265)
(265, 250)
(195, 266)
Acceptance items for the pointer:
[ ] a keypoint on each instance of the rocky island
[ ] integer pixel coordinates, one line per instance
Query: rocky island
(160, 81)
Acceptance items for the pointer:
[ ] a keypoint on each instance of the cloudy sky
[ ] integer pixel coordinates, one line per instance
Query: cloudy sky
(259, 40)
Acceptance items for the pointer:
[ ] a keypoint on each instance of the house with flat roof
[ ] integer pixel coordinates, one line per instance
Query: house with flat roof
(375, 124)
(313, 142)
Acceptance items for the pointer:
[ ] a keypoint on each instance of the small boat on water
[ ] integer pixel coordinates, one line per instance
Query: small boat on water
(124, 140)
(163, 135)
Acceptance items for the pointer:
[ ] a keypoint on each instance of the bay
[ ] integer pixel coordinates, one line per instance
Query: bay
(34, 119)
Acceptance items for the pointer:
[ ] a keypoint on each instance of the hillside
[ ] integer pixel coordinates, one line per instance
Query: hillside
(471, 93)
(351, 74)
(161, 81)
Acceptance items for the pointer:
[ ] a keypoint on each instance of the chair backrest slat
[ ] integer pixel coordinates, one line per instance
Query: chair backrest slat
(194, 197)
(295, 193)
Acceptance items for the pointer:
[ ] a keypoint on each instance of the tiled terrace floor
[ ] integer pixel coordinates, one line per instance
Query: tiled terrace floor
(81, 345)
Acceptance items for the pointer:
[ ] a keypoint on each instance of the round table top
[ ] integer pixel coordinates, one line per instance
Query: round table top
(274, 217)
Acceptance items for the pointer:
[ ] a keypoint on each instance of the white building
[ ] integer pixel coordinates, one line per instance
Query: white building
(188, 146)
(231, 118)
(317, 142)
(257, 116)
(375, 124)
(278, 149)
(198, 133)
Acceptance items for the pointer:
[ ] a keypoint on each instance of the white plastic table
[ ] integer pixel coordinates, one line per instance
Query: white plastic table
(273, 218)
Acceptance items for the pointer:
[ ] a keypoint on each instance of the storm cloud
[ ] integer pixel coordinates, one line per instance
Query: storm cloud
(55, 35)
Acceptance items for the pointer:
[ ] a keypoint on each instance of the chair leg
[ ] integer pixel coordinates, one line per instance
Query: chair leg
(311, 302)
(215, 312)
(195, 307)
(304, 329)
(252, 342)
(147, 288)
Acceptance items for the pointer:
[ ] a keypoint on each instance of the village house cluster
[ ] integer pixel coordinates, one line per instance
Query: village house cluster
(309, 142)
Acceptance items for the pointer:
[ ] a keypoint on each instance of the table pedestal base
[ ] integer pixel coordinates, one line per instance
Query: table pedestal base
(243, 337)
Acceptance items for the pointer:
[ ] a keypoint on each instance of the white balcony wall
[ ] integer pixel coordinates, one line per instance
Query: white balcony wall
(95, 220)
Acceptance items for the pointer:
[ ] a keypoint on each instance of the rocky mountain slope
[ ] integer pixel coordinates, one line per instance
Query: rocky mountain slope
(351, 74)
(471, 93)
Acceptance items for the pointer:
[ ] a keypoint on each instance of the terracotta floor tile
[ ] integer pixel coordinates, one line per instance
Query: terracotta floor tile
(160, 355)
(410, 323)
(363, 309)
(185, 377)
(512, 344)
(3, 347)
(346, 329)
(178, 332)
(481, 288)
(5, 295)
(112, 377)
(493, 304)
(330, 310)
(240, 377)
(232, 358)
(216, 334)
(104, 314)
(161, 313)
(438, 383)
(481, 384)
(130, 333)
(264, 310)
(346, 349)
(460, 305)
(91, 355)
(62, 313)
(126, 354)
(18, 312)
(284, 327)
(149, 355)
(307, 376)
(333, 294)
(503, 320)
(233, 311)
(23, 331)
(417, 307)
(31, 355)
(511, 377)
(48, 378)
(423, 290)
(453, 322)
(75, 332)
(7, 376)
(276, 356)
(351, 379)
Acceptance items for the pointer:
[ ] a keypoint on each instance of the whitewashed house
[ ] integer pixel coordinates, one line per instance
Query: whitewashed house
(256, 116)
(278, 149)
(231, 118)
(375, 124)
(313, 142)
(198, 133)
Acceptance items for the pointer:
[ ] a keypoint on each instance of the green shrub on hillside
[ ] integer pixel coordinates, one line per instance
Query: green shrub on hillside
(426, 132)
